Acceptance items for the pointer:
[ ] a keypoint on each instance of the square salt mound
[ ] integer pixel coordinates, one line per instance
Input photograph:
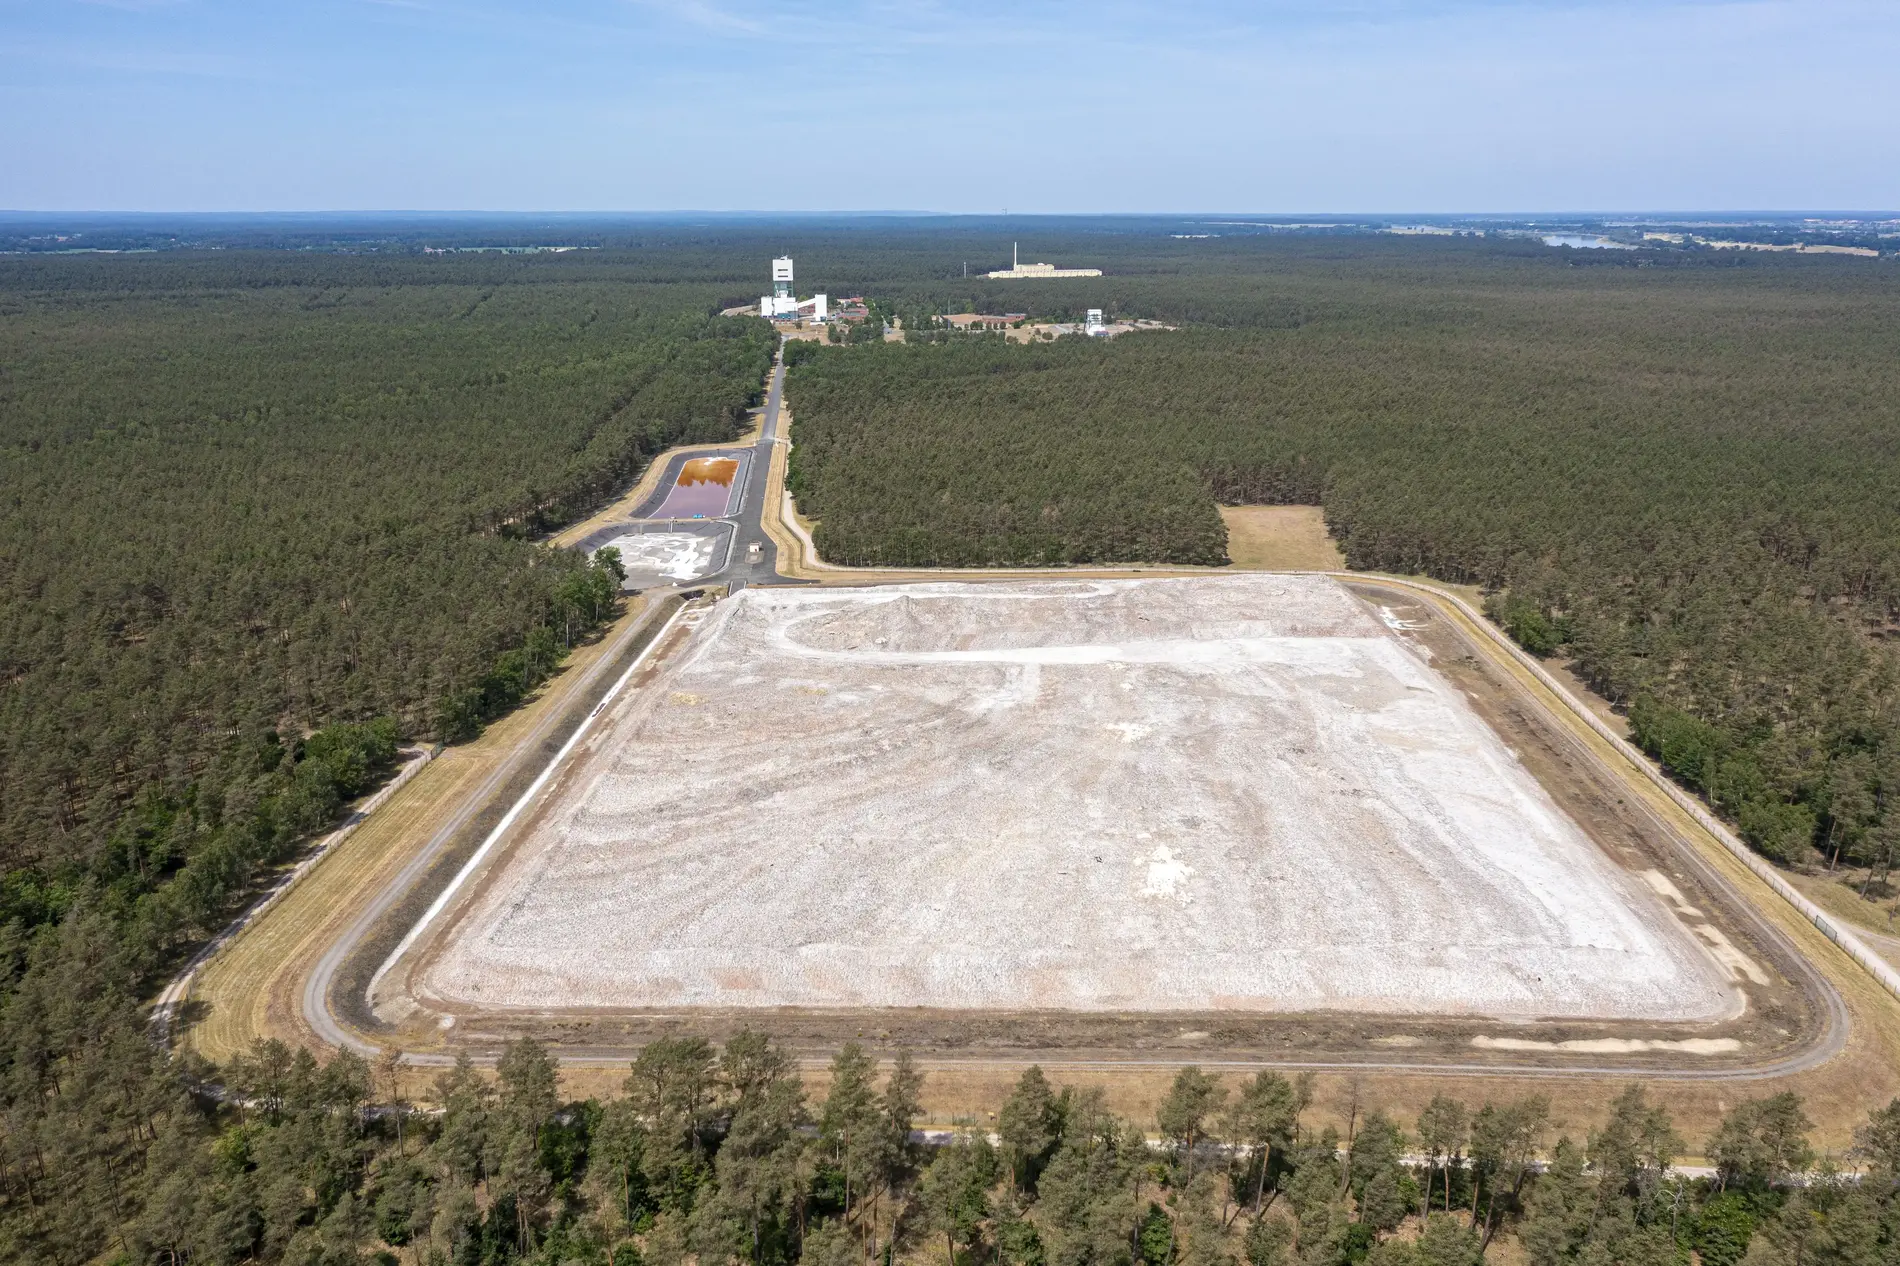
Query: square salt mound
(1238, 792)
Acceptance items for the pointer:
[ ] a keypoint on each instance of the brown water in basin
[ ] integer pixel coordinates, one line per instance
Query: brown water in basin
(709, 470)
(702, 491)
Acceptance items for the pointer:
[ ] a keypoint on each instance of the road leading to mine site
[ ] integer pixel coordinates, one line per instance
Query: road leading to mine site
(529, 752)
(750, 519)
(744, 566)
(755, 559)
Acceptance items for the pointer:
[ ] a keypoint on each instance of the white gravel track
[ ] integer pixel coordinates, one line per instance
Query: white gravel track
(1176, 794)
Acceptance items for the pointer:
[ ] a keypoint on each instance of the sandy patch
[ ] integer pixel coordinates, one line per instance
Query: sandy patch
(1280, 538)
(1612, 1045)
(1665, 887)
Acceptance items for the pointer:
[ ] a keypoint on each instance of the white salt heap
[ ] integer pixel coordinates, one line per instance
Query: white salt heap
(1227, 792)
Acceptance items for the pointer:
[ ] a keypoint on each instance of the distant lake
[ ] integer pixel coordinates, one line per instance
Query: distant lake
(1585, 243)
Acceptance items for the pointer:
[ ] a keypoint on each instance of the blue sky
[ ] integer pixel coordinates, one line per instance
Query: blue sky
(976, 106)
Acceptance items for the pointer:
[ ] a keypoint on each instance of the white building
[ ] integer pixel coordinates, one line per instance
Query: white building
(1019, 270)
(783, 304)
(1093, 326)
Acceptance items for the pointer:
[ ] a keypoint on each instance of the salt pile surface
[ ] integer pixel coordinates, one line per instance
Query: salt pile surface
(1226, 792)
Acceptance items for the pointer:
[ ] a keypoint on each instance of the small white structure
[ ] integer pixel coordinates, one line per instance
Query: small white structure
(1093, 326)
(782, 304)
(1018, 270)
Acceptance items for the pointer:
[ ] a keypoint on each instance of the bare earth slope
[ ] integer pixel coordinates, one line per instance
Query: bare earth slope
(1226, 792)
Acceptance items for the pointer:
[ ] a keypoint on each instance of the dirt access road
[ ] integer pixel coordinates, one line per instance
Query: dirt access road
(294, 972)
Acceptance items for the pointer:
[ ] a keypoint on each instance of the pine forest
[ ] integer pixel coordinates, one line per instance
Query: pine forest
(1683, 480)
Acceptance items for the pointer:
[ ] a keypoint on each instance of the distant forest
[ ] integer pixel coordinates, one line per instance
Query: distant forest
(263, 518)
(1687, 478)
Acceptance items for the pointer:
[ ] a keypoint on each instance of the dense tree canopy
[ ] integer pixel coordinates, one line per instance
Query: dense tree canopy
(1688, 479)
(263, 517)
(720, 1156)
(246, 497)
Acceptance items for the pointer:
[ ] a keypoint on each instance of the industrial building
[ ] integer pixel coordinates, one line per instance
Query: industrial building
(783, 304)
(1019, 270)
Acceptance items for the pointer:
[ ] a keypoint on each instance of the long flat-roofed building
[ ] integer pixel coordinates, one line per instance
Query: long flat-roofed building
(1017, 269)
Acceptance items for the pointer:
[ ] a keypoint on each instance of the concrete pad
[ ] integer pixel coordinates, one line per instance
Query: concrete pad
(1241, 792)
(667, 557)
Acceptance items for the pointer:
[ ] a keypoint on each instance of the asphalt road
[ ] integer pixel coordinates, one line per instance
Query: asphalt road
(528, 752)
(752, 558)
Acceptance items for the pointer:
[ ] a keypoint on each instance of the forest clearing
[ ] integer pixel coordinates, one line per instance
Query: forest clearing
(1280, 538)
(729, 739)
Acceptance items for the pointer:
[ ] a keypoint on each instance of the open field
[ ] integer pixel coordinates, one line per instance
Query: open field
(1280, 538)
(1226, 793)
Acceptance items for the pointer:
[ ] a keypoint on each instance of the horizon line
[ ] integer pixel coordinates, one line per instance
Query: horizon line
(1344, 216)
